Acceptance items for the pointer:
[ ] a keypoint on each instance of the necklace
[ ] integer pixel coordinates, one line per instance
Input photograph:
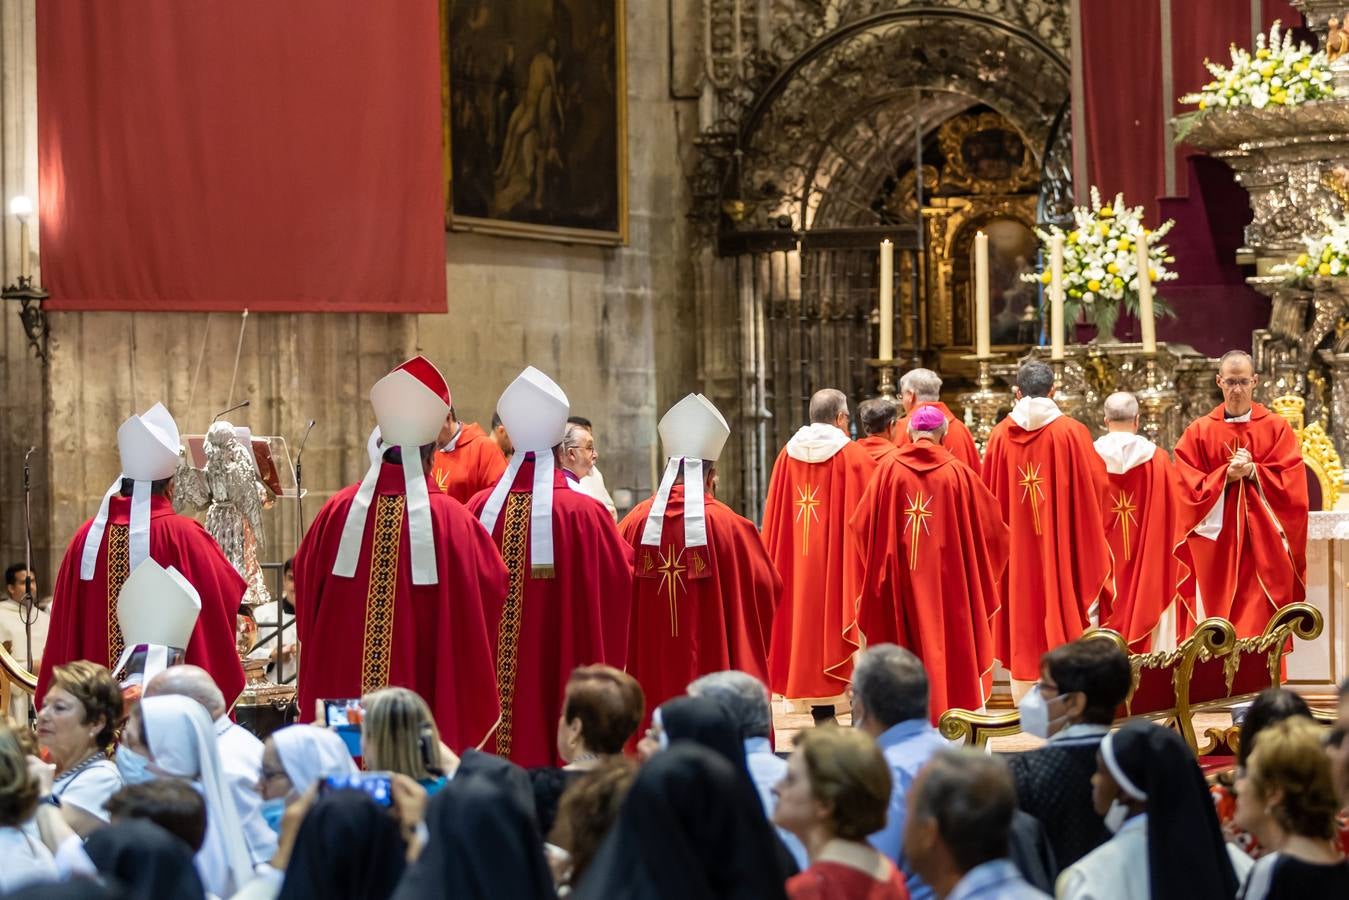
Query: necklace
(74, 770)
(584, 761)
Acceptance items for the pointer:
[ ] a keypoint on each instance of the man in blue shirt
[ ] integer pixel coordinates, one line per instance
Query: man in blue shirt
(956, 833)
(890, 702)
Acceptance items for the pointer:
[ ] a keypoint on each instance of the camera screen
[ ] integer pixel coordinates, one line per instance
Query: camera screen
(341, 712)
(377, 785)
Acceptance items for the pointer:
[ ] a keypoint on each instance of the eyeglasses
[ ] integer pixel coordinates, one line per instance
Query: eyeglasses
(269, 774)
(1234, 383)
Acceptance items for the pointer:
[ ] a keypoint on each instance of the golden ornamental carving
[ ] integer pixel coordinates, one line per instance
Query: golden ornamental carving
(1318, 450)
(958, 137)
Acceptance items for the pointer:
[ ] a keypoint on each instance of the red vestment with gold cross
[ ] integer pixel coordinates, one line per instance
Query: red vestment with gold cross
(934, 546)
(805, 530)
(1050, 485)
(84, 613)
(697, 610)
(378, 629)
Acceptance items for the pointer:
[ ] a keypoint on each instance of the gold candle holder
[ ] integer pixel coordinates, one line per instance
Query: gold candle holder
(983, 405)
(1070, 402)
(1157, 403)
(886, 386)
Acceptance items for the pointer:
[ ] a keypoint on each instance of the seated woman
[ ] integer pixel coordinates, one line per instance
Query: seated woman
(178, 738)
(587, 811)
(346, 846)
(27, 860)
(1286, 798)
(1167, 844)
(79, 716)
(601, 710)
(398, 734)
(835, 793)
(1270, 707)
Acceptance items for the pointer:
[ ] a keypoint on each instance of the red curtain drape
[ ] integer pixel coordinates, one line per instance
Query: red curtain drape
(216, 156)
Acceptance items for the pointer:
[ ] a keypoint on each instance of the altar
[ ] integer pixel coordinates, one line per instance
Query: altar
(1319, 666)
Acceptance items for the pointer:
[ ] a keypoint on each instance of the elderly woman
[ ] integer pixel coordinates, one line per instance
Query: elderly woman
(1286, 798)
(835, 793)
(398, 734)
(601, 709)
(177, 737)
(293, 760)
(27, 860)
(79, 716)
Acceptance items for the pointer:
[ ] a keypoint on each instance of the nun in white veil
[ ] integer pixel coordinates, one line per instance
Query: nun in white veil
(181, 741)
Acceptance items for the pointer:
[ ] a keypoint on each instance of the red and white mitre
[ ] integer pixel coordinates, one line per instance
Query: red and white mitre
(410, 404)
(157, 609)
(691, 431)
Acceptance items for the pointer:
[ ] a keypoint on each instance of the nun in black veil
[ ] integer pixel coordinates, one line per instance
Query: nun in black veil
(481, 842)
(1167, 845)
(687, 831)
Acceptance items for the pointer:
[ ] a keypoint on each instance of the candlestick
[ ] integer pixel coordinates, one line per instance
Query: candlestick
(1056, 297)
(981, 294)
(1147, 321)
(885, 350)
(983, 405)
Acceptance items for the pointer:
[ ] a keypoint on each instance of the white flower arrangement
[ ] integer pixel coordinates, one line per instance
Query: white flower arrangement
(1276, 74)
(1327, 255)
(1100, 260)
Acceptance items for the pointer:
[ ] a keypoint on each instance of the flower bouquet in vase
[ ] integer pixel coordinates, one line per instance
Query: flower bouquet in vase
(1100, 263)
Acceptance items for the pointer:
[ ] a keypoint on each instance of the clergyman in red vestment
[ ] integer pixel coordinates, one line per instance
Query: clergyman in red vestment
(395, 583)
(466, 461)
(1143, 525)
(705, 590)
(1246, 498)
(876, 418)
(934, 546)
(1050, 484)
(816, 483)
(570, 584)
(136, 522)
(922, 387)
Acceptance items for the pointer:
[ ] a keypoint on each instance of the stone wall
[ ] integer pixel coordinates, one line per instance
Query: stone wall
(603, 322)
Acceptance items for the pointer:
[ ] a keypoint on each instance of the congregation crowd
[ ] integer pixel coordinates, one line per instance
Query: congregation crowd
(165, 796)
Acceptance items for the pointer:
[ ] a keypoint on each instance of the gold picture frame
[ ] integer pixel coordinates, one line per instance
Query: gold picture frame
(516, 173)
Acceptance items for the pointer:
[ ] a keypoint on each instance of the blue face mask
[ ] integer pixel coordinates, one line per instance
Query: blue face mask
(134, 768)
(272, 811)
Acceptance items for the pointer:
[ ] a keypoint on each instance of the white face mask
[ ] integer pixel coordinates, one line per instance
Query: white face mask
(1116, 815)
(1034, 711)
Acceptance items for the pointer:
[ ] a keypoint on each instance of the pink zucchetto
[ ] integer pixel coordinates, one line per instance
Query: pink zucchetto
(926, 418)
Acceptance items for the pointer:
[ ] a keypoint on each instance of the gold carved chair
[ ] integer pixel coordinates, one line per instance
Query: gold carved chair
(1324, 471)
(1211, 669)
(13, 677)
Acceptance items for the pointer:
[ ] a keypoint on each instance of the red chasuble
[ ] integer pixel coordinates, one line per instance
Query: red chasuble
(934, 546)
(1049, 483)
(697, 610)
(1257, 562)
(805, 530)
(577, 617)
(378, 629)
(958, 438)
(473, 464)
(84, 613)
(1143, 525)
(878, 447)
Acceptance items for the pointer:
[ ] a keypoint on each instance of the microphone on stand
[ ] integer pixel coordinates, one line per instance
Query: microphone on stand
(299, 536)
(28, 611)
(231, 409)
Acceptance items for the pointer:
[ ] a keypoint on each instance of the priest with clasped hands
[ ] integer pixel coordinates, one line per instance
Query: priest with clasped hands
(1246, 504)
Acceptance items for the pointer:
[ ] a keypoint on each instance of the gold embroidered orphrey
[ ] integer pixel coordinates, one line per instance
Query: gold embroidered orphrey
(514, 542)
(1032, 491)
(916, 515)
(119, 569)
(1124, 510)
(672, 571)
(380, 595)
(807, 508)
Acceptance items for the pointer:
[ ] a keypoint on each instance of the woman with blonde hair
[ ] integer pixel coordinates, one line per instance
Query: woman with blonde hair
(399, 734)
(1286, 798)
(835, 793)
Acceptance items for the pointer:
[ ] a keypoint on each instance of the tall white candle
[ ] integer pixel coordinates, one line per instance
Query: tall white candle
(887, 316)
(1147, 320)
(1056, 297)
(981, 294)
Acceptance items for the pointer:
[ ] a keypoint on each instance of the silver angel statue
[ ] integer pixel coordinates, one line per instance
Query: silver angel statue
(233, 497)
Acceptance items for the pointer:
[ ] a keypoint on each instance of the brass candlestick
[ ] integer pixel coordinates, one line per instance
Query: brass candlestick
(1157, 404)
(1069, 401)
(984, 404)
(886, 386)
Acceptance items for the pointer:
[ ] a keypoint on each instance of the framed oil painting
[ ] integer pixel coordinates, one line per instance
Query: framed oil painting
(534, 111)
